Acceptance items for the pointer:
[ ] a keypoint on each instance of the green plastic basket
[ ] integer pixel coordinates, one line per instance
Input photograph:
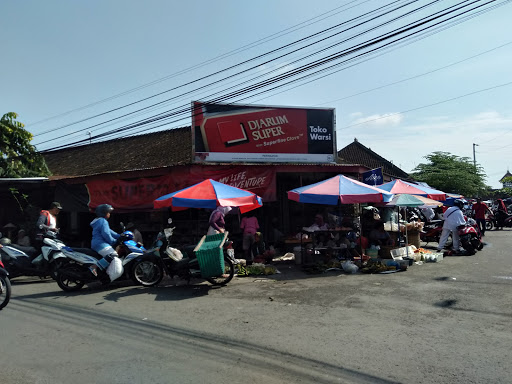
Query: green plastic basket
(210, 255)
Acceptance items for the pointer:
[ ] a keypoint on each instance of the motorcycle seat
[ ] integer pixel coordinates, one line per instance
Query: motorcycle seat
(88, 251)
(30, 251)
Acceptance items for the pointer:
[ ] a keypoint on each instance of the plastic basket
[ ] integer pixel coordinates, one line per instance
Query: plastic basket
(210, 255)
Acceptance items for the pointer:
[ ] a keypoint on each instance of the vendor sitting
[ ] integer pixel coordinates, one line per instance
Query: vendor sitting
(378, 236)
(259, 252)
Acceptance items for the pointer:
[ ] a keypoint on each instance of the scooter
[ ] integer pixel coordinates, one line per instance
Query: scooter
(5, 284)
(29, 261)
(432, 231)
(82, 265)
(470, 237)
(184, 263)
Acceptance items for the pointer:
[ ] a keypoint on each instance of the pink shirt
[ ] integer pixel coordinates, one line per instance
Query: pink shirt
(250, 225)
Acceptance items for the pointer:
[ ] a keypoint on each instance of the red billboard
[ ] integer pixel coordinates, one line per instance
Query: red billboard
(231, 132)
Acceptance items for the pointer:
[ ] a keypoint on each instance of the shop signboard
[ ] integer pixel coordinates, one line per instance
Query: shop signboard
(373, 177)
(249, 133)
(140, 193)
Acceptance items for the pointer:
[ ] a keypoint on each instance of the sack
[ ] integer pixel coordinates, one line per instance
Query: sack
(115, 269)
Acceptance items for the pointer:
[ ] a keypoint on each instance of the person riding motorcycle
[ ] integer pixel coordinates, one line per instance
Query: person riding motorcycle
(103, 237)
(453, 218)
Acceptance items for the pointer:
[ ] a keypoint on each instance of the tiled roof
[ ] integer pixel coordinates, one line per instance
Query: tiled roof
(356, 153)
(149, 151)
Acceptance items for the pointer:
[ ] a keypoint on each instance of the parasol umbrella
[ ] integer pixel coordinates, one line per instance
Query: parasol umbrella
(339, 189)
(209, 194)
(399, 187)
(406, 200)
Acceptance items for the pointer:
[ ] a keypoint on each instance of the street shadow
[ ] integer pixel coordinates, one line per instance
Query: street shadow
(451, 305)
(162, 293)
(221, 349)
(23, 280)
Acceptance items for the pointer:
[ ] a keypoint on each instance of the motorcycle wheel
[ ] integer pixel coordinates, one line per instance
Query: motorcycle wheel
(67, 283)
(147, 273)
(468, 247)
(5, 291)
(489, 225)
(229, 272)
(54, 267)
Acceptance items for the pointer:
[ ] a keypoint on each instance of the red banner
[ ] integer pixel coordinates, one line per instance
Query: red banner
(140, 194)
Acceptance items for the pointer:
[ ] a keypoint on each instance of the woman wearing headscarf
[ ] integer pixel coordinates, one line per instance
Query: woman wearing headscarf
(501, 215)
(216, 221)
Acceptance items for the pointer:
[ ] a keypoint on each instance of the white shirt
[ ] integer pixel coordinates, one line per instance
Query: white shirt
(453, 217)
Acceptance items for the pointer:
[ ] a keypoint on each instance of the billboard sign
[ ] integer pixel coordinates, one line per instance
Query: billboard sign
(249, 133)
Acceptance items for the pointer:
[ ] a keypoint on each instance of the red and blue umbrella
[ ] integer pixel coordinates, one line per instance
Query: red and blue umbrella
(400, 187)
(339, 188)
(209, 194)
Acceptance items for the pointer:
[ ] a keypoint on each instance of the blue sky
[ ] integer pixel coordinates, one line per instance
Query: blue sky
(60, 56)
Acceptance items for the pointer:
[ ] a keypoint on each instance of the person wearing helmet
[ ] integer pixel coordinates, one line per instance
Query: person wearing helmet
(102, 236)
(453, 218)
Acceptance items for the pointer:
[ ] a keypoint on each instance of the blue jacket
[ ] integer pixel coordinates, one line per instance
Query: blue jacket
(102, 235)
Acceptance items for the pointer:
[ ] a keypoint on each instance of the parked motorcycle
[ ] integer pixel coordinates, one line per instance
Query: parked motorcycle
(470, 236)
(183, 262)
(83, 262)
(29, 261)
(5, 284)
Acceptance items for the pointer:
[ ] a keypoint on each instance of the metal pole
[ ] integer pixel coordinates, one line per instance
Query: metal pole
(474, 158)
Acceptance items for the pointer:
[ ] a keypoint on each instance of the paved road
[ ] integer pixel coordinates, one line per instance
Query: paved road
(443, 322)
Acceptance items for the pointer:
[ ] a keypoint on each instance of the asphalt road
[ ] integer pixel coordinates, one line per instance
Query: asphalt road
(447, 322)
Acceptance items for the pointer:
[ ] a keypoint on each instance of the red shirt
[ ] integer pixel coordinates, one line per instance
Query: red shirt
(480, 210)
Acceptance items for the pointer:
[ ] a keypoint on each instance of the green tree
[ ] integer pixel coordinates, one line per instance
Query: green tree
(452, 174)
(18, 158)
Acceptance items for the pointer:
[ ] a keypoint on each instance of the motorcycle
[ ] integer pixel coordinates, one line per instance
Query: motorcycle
(82, 266)
(470, 236)
(184, 263)
(29, 261)
(5, 284)
(432, 231)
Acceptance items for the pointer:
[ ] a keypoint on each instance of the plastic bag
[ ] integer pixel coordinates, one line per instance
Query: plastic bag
(175, 254)
(115, 269)
(349, 266)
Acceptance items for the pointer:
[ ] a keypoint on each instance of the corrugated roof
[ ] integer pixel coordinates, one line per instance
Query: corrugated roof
(149, 151)
(357, 153)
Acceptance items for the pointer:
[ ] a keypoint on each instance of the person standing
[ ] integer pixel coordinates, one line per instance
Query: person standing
(249, 226)
(137, 236)
(47, 221)
(453, 218)
(479, 210)
(501, 214)
(216, 221)
(23, 239)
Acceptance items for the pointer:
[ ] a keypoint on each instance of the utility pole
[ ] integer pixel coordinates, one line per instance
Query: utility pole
(474, 158)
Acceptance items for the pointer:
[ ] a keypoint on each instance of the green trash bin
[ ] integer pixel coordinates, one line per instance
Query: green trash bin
(210, 255)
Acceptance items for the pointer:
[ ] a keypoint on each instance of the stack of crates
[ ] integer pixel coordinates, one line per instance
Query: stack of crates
(210, 255)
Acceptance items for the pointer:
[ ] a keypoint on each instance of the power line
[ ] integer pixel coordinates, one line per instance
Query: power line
(295, 72)
(230, 67)
(271, 37)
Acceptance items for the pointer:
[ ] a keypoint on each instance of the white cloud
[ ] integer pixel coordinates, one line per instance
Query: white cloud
(405, 143)
(379, 120)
